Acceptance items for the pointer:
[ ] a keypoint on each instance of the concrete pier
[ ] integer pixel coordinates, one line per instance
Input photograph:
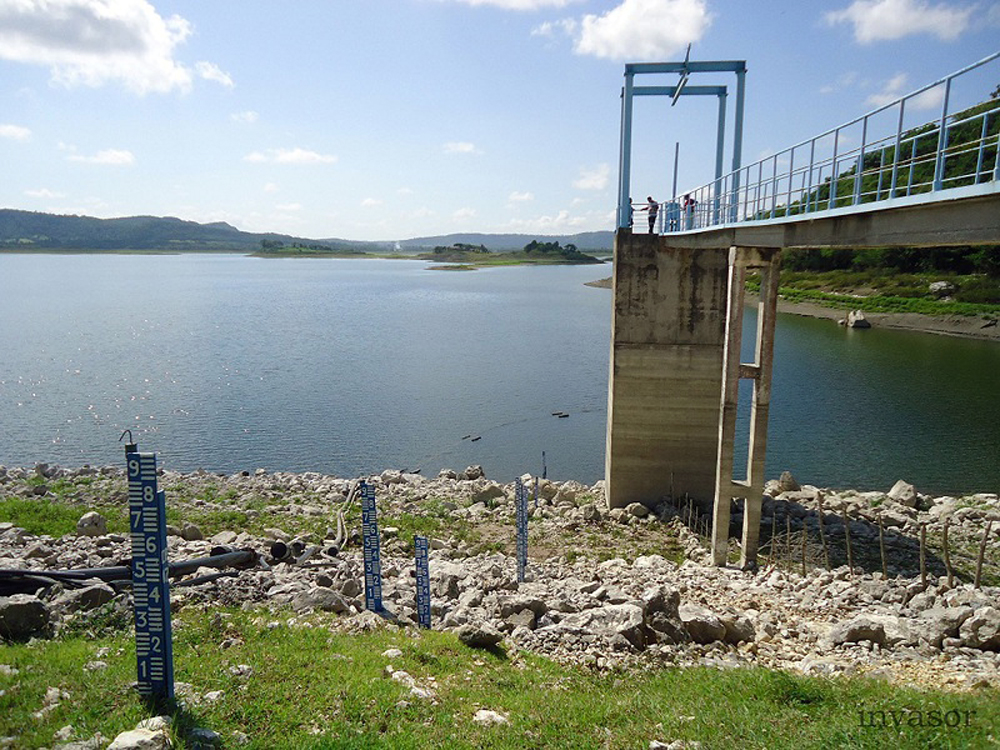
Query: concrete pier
(668, 334)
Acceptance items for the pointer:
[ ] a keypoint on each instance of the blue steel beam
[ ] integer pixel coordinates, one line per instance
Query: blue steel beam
(706, 66)
(672, 90)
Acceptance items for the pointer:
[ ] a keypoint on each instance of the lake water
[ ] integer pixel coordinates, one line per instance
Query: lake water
(347, 367)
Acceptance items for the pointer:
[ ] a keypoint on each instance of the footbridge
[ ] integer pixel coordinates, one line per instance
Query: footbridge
(679, 289)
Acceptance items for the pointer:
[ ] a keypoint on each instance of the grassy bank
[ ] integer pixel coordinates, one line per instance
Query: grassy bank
(887, 291)
(309, 686)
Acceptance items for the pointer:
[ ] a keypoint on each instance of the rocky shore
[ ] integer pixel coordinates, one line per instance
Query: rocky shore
(613, 589)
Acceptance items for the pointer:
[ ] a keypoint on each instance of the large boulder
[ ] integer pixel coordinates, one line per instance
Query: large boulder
(88, 597)
(982, 629)
(859, 629)
(23, 616)
(92, 523)
(904, 493)
(613, 620)
(479, 635)
(320, 598)
(703, 625)
(857, 319)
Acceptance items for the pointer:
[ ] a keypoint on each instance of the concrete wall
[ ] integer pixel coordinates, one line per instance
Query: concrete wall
(667, 335)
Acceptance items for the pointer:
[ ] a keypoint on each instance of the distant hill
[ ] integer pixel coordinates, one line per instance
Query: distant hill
(29, 230)
(32, 230)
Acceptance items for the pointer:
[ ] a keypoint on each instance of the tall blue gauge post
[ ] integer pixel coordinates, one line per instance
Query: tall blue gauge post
(150, 586)
(421, 547)
(521, 519)
(373, 562)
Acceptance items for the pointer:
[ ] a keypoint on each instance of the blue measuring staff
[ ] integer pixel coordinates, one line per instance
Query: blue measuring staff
(150, 587)
(521, 519)
(369, 536)
(421, 548)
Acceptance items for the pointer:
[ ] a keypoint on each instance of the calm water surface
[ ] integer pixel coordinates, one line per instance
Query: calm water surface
(351, 366)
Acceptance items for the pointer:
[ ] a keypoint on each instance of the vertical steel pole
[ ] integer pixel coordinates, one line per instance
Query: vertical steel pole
(677, 155)
(720, 147)
(741, 78)
(942, 139)
(625, 176)
(791, 177)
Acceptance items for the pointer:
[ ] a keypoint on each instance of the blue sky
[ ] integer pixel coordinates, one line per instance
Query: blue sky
(390, 119)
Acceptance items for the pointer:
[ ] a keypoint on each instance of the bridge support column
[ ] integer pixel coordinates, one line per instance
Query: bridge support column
(668, 329)
(741, 259)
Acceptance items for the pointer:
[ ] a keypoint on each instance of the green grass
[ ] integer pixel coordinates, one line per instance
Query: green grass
(881, 290)
(43, 515)
(311, 688)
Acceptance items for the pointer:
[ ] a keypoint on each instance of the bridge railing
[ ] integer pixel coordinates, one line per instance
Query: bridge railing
(875, 157)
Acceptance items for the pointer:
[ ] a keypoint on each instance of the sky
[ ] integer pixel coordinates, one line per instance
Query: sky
(392, 119)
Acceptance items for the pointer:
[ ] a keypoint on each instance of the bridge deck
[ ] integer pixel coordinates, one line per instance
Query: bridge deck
(960, 216)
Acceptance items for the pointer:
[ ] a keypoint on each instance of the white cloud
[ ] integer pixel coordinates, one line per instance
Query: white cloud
(14, 132)
(112, 156)
(371, 202)
(895, 87)
(464, 213)
(643, 29)
(94, 42)
(289, 207)
(289, 156)
(519, 4)
(248, 117)
(878, 20)
(549, 224)
(517, 197)
(549, 28)
(593, 179)
(460, 147)
(212, 72)
(43, 193)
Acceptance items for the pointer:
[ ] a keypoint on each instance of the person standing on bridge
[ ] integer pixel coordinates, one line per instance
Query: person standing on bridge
(653, 207)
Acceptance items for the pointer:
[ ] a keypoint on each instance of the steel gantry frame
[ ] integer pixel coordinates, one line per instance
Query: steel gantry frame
(685, 69)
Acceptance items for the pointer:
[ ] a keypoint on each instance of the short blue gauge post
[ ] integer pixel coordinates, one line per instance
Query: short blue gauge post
(521, 501)
(150, 586)
(421, 548)
(373, 562)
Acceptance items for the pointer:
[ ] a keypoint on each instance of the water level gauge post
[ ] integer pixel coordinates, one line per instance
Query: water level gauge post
(150, 584)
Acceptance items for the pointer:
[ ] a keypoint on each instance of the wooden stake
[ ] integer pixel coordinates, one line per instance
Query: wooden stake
(822, 534)
(774, 527)
(788, 536)
(805, 539)
(847, 540)
(982, 553)
(923, 554)
(881, 547)
(947, 554)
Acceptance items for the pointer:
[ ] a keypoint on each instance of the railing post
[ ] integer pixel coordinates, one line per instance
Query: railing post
(942, 139)
(812, 162)
(791, 177)
(982, 147)
(861, 161)
(833, 174)
(899, 143)
(774, 186)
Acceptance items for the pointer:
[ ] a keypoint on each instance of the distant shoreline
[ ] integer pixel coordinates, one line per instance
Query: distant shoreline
(965, 326)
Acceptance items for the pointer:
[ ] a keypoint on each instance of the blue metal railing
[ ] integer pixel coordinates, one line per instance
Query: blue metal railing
(859, 162)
